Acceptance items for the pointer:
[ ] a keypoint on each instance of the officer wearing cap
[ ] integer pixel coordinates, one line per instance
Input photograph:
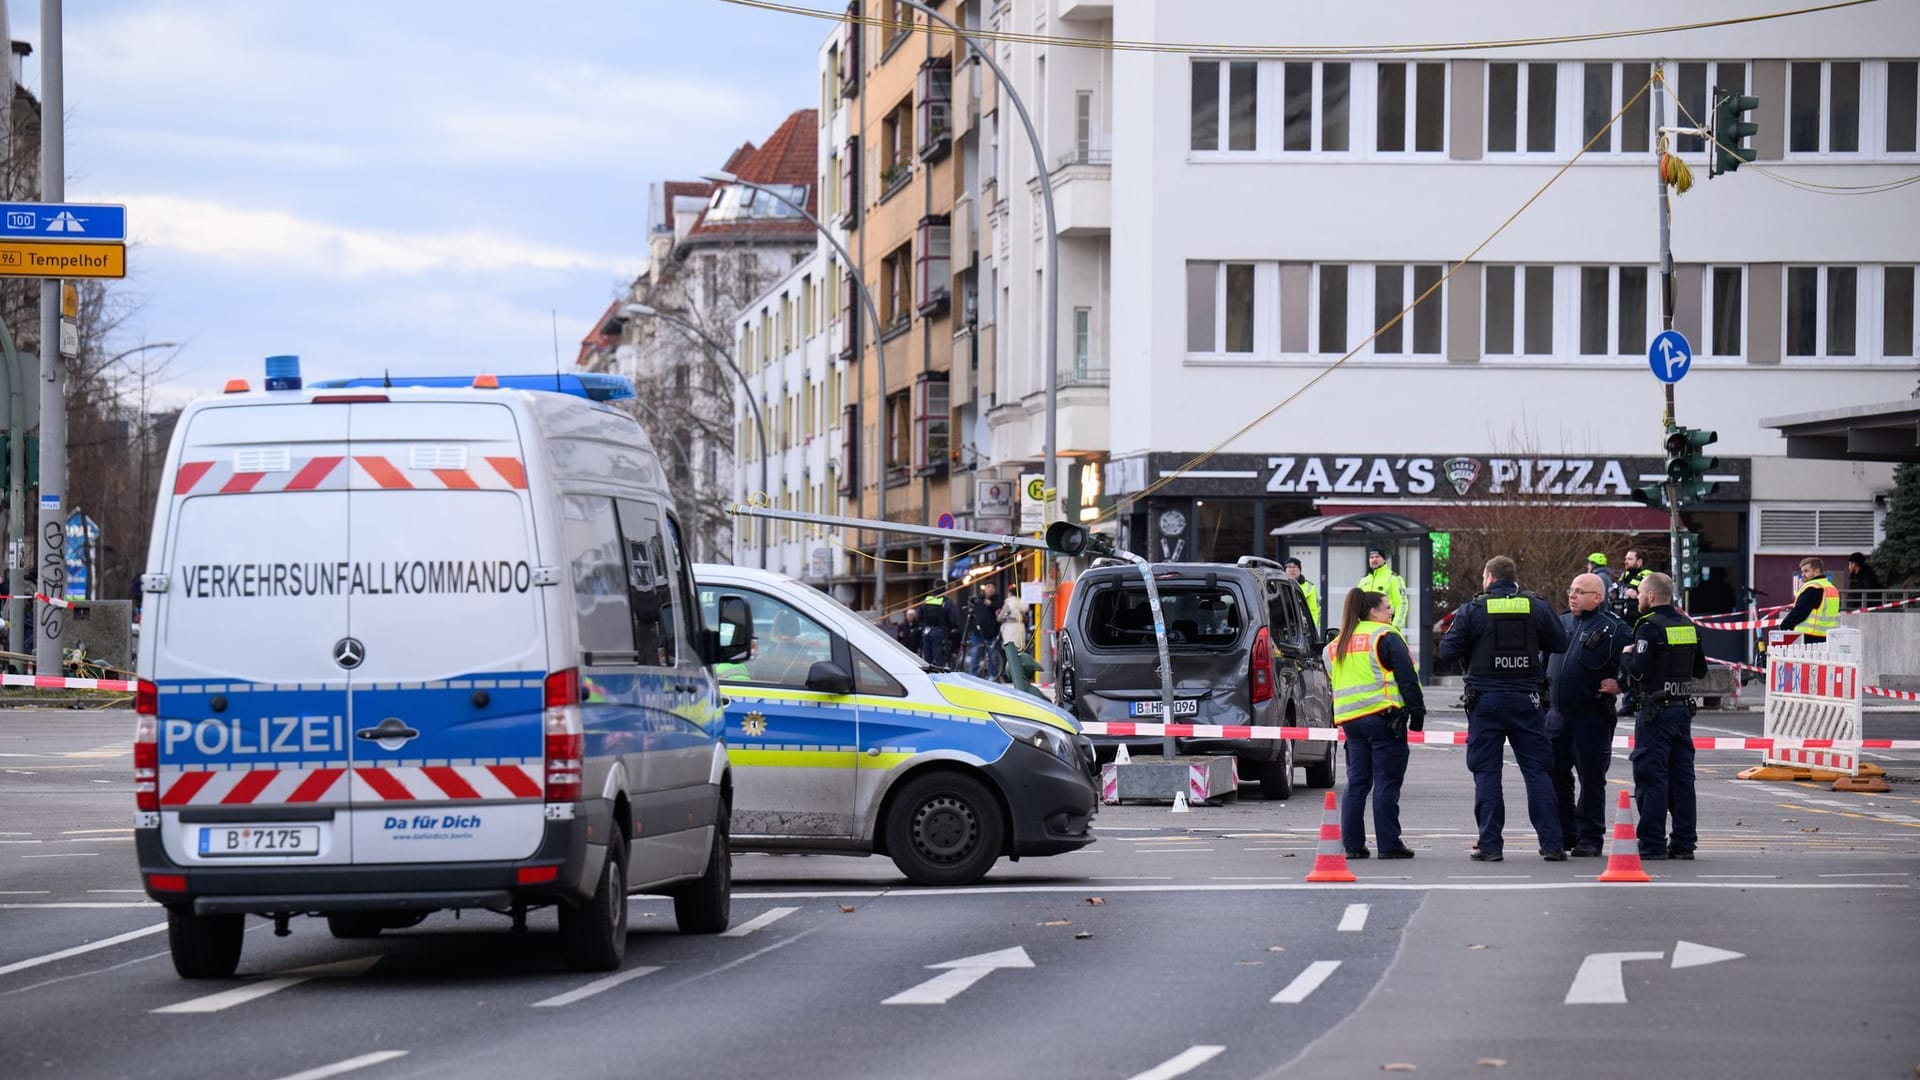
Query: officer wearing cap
(1502, 634)
(1664, 657)
(1381, 579)
(1307, 587)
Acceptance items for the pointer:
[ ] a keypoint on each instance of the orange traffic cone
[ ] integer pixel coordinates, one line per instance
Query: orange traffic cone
(1623, 855)
(1330, 862)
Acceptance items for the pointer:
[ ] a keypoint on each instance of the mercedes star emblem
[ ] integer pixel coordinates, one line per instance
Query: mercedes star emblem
(348, 652)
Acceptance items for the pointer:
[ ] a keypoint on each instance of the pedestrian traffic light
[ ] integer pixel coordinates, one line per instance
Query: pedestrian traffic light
(1686, 561)
(1686, 466)
(1730, 128)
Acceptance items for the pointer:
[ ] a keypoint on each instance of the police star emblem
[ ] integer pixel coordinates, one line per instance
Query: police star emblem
(1461, 472)
(754, 724)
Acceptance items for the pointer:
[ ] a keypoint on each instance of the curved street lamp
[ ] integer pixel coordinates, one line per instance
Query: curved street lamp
(648, 311)
(879, 352)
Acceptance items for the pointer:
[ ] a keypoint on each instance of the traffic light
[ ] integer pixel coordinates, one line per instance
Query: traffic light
(1687, 466)
(1654, 495)
(1730, 128)
(1686, 561)
(6, 461)
(1066, 538)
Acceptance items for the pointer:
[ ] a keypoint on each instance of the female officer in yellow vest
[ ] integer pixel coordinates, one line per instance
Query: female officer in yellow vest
(1376, 698)
(1816, 610)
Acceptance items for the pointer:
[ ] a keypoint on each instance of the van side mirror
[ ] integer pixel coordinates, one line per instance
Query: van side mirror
(732, 641)
(1332, 635)
(827, 677)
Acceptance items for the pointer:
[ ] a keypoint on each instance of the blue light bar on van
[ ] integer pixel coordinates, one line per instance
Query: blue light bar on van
(594, 386)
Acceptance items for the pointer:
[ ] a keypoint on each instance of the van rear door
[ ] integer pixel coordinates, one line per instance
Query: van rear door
(253, 718)
(446, 698)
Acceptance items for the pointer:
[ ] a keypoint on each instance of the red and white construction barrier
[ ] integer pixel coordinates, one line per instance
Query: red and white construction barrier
(55, 682)
(1459, 738)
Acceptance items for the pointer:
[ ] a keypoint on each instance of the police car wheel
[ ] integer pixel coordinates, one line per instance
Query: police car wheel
(204, 946)
(706, 906)
(1276, 777)
(593, 935)
(944, 829)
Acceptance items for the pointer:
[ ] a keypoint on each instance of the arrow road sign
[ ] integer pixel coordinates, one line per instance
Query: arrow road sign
(1600, 980)
(956, 975)
(1670, 356)
(63, 221)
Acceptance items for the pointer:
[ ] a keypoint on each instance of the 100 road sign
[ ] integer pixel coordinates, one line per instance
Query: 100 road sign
(63, 221)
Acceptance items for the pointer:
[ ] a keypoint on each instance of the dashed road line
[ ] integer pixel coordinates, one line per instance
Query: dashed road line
(104, 943)
(1181, 1063)
(595, 987)
(347, 1066)
(1305, 983)
(1355, 918)
(240, 995)
(759, 922)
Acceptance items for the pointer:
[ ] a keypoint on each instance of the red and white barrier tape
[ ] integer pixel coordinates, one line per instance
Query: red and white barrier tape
(56, 601)
(55, 682)
(1713, 622)
(1459, 738)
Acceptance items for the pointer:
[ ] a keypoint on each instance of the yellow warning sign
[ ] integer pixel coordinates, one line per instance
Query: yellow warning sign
(62, 259)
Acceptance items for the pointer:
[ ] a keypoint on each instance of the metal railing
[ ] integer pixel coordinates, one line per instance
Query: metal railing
(1089, 374)
(1084, 156)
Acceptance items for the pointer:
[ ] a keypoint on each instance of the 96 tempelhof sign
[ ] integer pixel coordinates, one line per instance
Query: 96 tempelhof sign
(62, 260)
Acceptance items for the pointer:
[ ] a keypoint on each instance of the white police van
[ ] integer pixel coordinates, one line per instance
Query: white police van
(419, 648)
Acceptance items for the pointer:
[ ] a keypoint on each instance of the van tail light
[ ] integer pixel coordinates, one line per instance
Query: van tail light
(146, 759)
(565, 736)
(1261, 677)
(146, 699)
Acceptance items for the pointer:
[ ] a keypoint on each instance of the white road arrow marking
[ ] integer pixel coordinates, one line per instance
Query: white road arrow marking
(1686, 954)
(259, 988)
(956, 975)
(1600, 980)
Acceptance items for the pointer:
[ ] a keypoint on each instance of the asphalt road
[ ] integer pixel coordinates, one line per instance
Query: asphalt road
(1159, 951)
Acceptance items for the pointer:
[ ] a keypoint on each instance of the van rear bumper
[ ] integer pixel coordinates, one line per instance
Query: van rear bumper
(1051, 802)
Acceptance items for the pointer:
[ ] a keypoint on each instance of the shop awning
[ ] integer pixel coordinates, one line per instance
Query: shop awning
(1889, 431)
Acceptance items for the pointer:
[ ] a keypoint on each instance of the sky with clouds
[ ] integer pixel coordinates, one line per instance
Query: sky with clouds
(418, 186)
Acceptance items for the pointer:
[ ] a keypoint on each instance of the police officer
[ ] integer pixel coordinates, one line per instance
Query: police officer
(1581, 691)
(1307, 587)
(1664, 657)
(1624, 594)
(936, 623)
(1502, 635)
(1597, 566)
(1816, 608)
(1376, 699)
(1381, 579)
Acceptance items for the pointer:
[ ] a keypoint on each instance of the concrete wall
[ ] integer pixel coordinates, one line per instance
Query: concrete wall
(1891, 642)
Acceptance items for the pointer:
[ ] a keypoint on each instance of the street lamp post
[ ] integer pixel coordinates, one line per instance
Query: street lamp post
(647, 311)
(880, 361)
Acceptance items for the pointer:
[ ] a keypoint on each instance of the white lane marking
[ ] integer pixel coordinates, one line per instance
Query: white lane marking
(240, 995)
(1688, 954)
(1488, 877)
(1355, 918)
(1305, 983)
(130, 892)
(1891, 873)
(104, 943)
(62, 855)
(70, 905)
(956, 975)
(1181, 1063)
(1133, 877)
(1743, 877)
(594, 987)
(1299, 886)
(347, 1066)
(22, 841)
(1601, 979)
(81, 832)
(25, 892)
(759, 922)
(1138, 851)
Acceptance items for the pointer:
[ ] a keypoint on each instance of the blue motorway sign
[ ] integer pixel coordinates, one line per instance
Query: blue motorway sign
(1670, 356)
(63, 221)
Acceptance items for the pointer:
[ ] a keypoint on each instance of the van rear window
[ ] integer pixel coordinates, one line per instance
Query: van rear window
(1119, 617)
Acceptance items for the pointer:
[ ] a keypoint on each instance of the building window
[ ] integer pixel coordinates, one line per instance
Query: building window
(849, 471)
(1897, 314)
(896, 165)
(934, 276)
(1522, 109)
(1823, 310)
(934, 118)
(1220, 307)
(896, 288)
(1903, 106)
(1083, 125)
(849, 316)
(850, 183)
(850, 52)
(898, 435)
(1410, 107)
(1332, 308)
(1519, 311)
(1726, 310)
(1823, 107)
(1317, 106)
(1082, 340)
(1613, 310)
(1605, 88)
(1421, 332)
(1236, 83)
(1698, 81)
(931, 418)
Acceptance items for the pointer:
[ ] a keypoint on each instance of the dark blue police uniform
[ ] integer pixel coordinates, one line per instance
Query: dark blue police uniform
(1502, 636)
(1581, 721)
(1666, 656)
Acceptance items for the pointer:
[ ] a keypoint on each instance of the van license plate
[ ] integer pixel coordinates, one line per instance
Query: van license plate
(218, 841)
(1181, 707)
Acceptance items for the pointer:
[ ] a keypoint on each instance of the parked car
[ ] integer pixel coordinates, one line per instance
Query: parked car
(844, 742)
(1244, 651)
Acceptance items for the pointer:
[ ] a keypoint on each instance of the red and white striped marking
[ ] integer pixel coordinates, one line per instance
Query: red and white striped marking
(1459, 738)
(319, 785)
(1813, 679)
(55, 682)
(339, 473)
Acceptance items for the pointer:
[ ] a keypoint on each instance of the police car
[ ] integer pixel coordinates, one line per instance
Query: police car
(843, 741)
(418, 648)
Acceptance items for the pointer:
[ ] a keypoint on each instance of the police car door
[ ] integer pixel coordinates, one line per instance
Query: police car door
(244, 629)
(794, 749)
(447, 636)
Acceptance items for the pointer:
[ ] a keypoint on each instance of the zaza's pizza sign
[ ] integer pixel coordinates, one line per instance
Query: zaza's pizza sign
(1460, 476)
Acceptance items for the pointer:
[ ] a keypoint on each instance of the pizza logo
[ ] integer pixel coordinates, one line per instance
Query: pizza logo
(1461, 472)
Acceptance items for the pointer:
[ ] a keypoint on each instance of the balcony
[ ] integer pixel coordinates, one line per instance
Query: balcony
(1092, 373)
(1083, 192)
(1089, 10)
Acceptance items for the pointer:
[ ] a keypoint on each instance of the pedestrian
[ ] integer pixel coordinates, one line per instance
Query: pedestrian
(1380, 578)
(1624, 596)
(1376, 699)
(936, 624)
(1861, 580)
(982, 624)
(1597, 566)
(1502, 634)
(910, 631)
(1816, 603)
(1582, 712)
(1013, 628)
(1308, 588)
(1662, 661)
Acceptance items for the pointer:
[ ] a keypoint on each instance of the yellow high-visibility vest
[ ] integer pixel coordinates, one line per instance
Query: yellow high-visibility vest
(1361, 685)
(1825, 616)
